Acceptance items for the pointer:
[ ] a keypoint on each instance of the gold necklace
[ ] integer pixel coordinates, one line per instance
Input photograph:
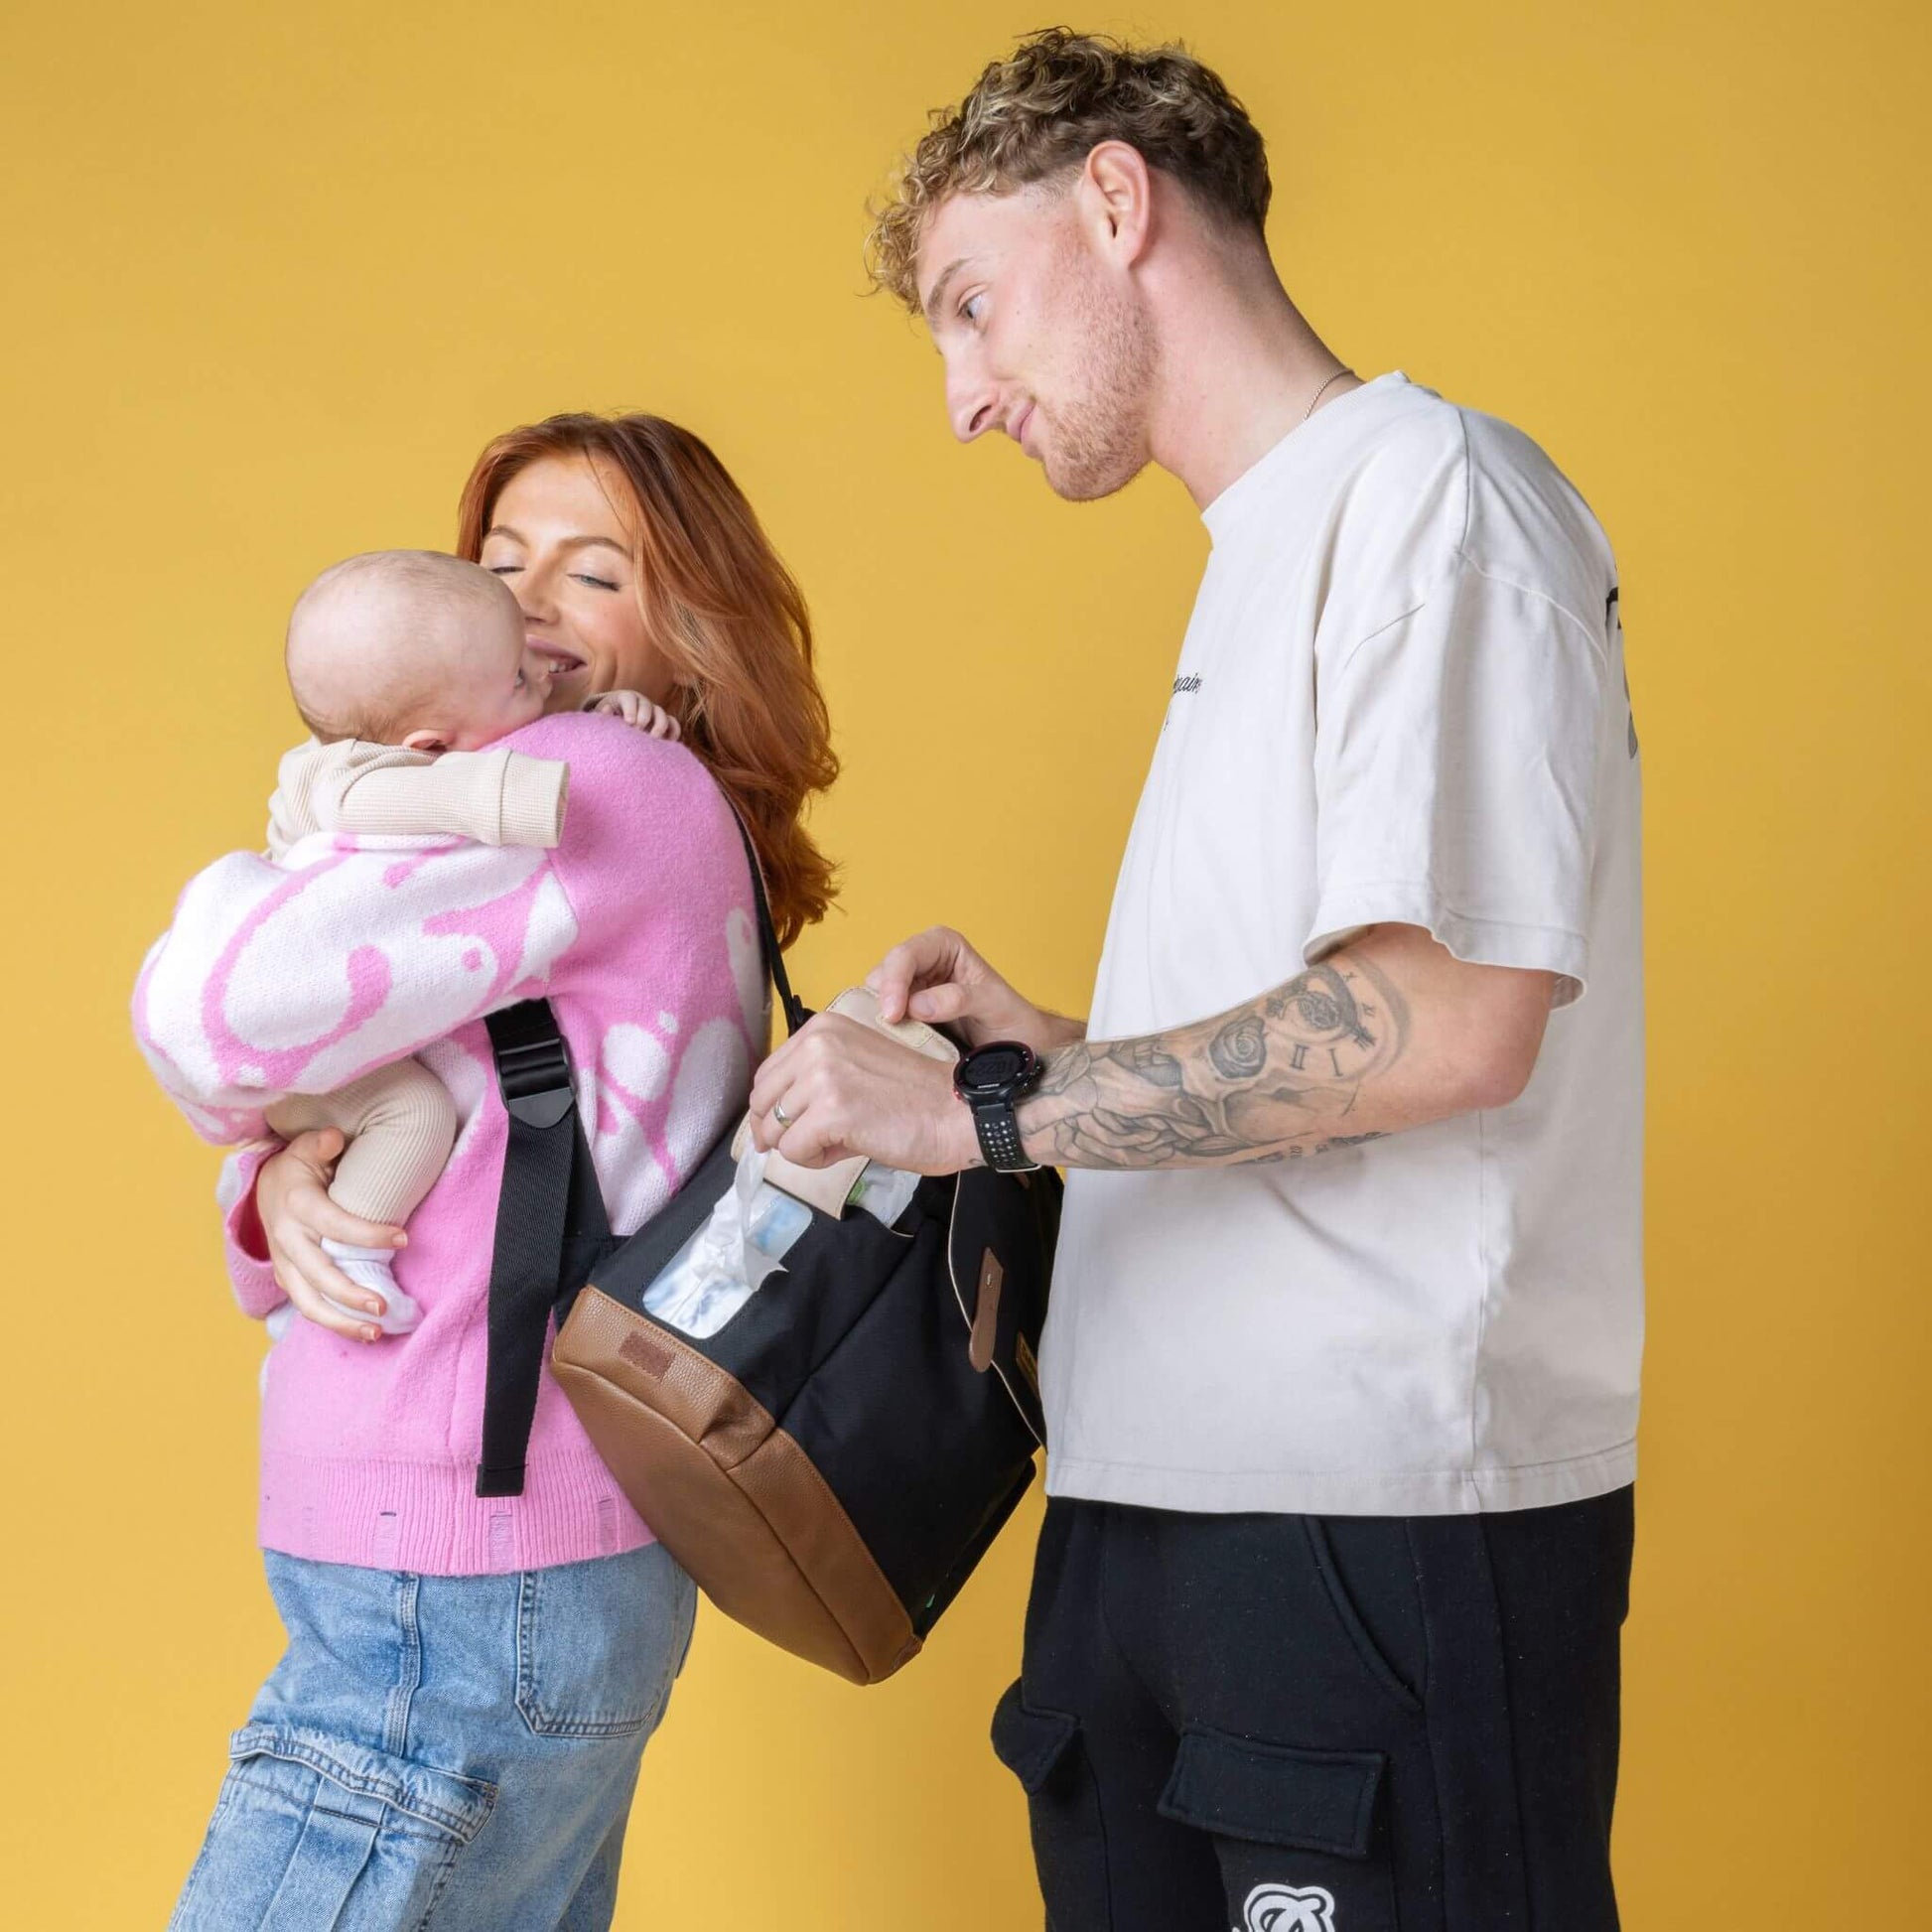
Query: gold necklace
(1324, 390)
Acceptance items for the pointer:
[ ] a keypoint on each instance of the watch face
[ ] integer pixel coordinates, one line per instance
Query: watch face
(993, 1069)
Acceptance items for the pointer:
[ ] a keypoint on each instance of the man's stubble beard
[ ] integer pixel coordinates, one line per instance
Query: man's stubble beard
(1099, 441)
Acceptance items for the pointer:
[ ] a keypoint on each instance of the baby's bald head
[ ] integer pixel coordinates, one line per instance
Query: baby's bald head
(387, 642)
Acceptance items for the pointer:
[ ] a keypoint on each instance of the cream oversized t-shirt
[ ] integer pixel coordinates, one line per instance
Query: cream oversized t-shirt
(1401, 698)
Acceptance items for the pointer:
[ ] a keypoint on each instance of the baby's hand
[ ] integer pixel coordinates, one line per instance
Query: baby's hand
(636, 709)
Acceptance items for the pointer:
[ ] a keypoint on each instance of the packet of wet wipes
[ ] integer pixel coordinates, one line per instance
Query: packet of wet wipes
(726, 1260)
(745, 1239)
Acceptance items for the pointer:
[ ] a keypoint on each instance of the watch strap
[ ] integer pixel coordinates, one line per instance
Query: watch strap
(998, 1136)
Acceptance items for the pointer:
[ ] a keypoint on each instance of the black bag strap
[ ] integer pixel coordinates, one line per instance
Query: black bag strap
(549, 1202)
(549, 1199)
(795, 1012)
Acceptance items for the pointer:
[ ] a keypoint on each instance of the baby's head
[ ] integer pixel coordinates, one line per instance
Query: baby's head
(415, 648)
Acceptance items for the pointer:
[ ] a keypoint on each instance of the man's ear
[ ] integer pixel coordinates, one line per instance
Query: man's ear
(429, 742)
(1116, 191)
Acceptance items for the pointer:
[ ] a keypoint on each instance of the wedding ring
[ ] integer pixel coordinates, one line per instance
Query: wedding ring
(781, 1116)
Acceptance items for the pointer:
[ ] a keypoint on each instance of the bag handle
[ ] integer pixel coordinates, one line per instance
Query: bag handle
(795, 1011)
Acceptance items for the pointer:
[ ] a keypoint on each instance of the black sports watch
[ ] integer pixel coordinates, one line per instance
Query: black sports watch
(990, 1079)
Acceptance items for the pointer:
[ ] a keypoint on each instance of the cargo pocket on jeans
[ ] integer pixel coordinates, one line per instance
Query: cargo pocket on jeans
(1041, 1748)
(314, 1830)
(1300, 1836)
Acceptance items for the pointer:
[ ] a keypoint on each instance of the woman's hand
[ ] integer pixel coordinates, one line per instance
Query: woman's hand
(937, 977)
(292, 1201)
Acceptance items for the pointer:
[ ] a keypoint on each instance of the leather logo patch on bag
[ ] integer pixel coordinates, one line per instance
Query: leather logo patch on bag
(643, 1350)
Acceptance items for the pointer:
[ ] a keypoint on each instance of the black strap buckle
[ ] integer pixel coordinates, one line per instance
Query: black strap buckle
(535, 1079)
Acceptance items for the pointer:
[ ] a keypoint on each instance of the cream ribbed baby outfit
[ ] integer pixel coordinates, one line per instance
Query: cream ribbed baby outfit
(399, 1121)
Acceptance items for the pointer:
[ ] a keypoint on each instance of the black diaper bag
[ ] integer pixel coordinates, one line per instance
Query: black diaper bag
(831, 1463)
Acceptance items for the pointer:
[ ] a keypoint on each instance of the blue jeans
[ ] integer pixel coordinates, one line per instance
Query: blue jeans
(442, 1751)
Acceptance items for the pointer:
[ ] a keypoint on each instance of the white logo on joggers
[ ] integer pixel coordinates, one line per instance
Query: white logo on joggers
(1287, 1909)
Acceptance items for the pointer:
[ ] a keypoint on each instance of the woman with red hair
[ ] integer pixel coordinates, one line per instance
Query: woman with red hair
(453, 1733)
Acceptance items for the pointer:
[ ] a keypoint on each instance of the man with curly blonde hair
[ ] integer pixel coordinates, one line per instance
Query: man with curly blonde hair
(1340, 1374)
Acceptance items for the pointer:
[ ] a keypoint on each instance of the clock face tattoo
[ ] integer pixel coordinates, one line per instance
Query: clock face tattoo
(1273, 1081)
(1330, 1025)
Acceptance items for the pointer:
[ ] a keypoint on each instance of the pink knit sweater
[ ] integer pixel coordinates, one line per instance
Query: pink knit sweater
(640, 929)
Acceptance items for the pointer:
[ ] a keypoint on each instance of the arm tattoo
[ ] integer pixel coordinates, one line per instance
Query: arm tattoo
(1271, 1081)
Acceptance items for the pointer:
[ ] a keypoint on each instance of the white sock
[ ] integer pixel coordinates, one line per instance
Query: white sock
(369, 1267)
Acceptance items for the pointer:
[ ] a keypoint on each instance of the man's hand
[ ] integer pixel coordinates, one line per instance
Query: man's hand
(846, 1089)
(637, 709)
(937, 977)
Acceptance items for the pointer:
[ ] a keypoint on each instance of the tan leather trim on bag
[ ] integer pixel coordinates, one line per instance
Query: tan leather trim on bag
(729, 1493)
(967, 1315)
(986, 1313)
(818, 1534)
(693, 1395)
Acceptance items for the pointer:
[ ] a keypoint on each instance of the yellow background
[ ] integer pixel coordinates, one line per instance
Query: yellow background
(272, 275)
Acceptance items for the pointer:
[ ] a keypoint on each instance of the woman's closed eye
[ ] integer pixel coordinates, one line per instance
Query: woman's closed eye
(594, 582)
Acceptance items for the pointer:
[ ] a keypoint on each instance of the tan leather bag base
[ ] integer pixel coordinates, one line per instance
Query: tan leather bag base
(729, 1493)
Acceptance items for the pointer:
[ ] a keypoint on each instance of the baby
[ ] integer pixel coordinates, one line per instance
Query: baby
(407, 665)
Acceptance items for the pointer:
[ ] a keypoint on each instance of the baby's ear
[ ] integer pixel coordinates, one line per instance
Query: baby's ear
(431, 744)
